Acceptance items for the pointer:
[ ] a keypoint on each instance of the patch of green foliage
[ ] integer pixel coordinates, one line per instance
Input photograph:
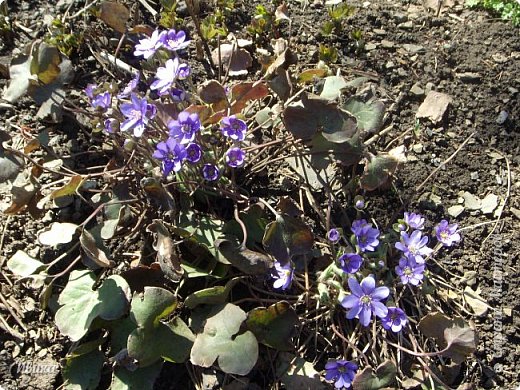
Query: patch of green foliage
(169, 18)
(65, 41)
(337, 14)
(507, 9)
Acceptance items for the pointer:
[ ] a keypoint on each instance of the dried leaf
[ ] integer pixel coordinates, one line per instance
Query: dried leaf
(168, 260)
(68, 189)
(235, 60)
(212, 92)
(115, 15)
(248, 261)
(89, 245)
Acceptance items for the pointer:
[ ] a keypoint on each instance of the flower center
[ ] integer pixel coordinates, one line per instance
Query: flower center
(444, 235)
(185, 128)
(366, 299)
(408, 271)
(412, 249)
(342, 370)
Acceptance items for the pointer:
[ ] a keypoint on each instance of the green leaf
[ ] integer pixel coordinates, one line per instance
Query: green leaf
(59, 233)
(81, 305)
(369, 115)
(308, 75)
(274, 326)
(140, 379)
(286, 237)
(153, 339)
(346, 153)
(383, 377)
(83, 372)
(255, 223)
(21, 264)
(236, 354)
(332, 87)
(211, 296)
(92, 244)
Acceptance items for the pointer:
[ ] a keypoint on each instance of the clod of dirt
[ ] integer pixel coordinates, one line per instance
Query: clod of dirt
(434, 106)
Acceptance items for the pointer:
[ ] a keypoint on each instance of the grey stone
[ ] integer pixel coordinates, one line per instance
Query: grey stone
(474, 175)
(414, 49)
(418, 148)
(489, 203)
(417, 90)
(400, 17)
(406, 26)
(502, 117)
(515, 212)
(471, 202)
(370, 46)
(387, 44)
(468, 77)
(456, 210)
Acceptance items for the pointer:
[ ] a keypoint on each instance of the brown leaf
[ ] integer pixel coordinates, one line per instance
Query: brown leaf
(238, 60)
(115, 15)
(168, 260)
(212, 92)
(68, 189)
(286, 58)
(89, 245)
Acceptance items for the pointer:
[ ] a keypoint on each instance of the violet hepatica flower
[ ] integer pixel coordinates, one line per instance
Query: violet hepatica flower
(184, 127)
(111, 125)
(167, 75)
(410, 271)
(365, 300)
(350, 262)
(171, 153)
(342, 372)
(174, 40)
(101, 100)
(394, 320)
(333, 235)
(137, 114)
(447, 234)
(357, 225)
(130, 87)
(235, 157)
(233, 128)
(367, 238)
(148, 46)
(194, 152)
(415, 221)
(415, 245)
(283, 275)
(210, 172)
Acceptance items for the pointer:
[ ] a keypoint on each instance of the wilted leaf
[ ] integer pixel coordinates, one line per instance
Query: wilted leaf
(158, 193)
(369, 115)
(456, 338)
(296, 373)
(20, 76)
(212, 92)
(166, 256)
(273, 326)
(59, 233)
(380, 168)
(248, 261)
(281, 13)
(25, 193)
(238, 60)
(80, 304)
(286, 237)
(308, 75)
(284, 60)
(477, 304)
(312, 114)
(236, 353)
(115, 15)
(281, 84)
(367, 379)
(93, 249)
(211, 296)
(21, 264)
(68, 189)
(313, 171)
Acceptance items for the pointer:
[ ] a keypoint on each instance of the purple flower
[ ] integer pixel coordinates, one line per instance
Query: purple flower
(367, 238)
(410, 271)
(284, 275)
(171, 153)
(233, 128)
(394, 320)
(174, 40)
(102, 100)
(130, 86)
(184, 127)
(167, 74)
(415, 245)
(364, 300)
(194, 152)
(350, 262)
(447, 234)
(415, 221)
(177, 95)
(235, 157)
(210, 172)
(342, 372)
(333, 235)
(137, 114)
(111, 125)
(360, 204)
(148, 46)
(357, 225)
